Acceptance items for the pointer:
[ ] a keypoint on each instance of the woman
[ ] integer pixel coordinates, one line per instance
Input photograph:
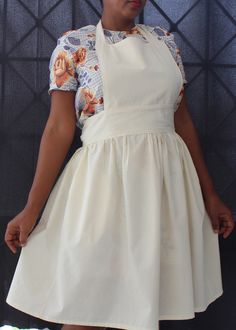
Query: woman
(126, 237)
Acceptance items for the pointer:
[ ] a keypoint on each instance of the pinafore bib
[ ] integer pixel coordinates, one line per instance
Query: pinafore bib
(139, 95)
(124, 240)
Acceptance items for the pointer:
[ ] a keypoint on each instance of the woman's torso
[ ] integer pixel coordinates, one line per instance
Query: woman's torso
(74, 66)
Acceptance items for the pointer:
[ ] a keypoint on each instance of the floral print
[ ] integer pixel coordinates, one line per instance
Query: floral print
(62, 69)
(90, 101)
(80, 56)
(74, 65)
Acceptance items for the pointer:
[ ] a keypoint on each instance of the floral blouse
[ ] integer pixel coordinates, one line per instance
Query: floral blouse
(74, 65)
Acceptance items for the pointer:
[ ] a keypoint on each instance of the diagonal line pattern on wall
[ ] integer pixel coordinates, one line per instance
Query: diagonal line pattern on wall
(199, 66)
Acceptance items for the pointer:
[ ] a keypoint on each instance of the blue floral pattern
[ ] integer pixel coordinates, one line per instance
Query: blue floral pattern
(74, 65)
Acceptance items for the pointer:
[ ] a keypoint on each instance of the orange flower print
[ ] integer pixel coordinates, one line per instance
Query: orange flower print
(100, 100)
(62, 69)
(134, 30)
(94, 67)
(165, 32)
(90, 101)
(180, 97)
(181, 92)
(80, 56)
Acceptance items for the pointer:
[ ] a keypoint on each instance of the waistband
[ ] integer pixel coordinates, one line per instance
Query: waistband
(113, 122)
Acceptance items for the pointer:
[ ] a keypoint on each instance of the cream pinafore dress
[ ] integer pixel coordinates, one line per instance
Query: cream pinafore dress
(124, 240)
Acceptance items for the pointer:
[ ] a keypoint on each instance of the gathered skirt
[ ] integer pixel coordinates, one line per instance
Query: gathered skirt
(124, 239)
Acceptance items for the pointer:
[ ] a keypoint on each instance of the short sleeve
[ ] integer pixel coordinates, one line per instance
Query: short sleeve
(169, 39)
(176, 53)
(62, 68)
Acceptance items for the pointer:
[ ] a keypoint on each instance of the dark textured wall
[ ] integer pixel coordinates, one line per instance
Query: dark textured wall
(206, 35)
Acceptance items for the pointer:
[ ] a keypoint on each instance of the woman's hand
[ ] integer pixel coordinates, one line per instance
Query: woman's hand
(220, 215)
(19, 228)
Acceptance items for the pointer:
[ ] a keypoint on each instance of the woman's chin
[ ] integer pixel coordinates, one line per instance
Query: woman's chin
(131, 14)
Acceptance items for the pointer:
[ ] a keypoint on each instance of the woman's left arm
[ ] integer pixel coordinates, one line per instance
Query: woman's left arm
(220, 215)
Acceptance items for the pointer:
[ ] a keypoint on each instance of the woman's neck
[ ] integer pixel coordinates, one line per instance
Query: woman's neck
(115, 24)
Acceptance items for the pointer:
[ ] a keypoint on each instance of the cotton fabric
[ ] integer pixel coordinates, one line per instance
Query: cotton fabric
(74, 65)
(124, 240)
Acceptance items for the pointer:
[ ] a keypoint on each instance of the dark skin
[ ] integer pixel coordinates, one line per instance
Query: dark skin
(117, 15)
(58, 136)
(220, 215)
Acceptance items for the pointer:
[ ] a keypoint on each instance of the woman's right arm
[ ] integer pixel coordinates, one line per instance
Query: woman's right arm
(55, 143)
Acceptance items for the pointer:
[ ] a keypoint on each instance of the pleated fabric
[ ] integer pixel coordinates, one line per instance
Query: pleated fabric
(148, 251)
(124, 240)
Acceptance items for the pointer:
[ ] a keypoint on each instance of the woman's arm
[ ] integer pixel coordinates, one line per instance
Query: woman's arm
(220, 214)
(55, 143)
(185, 128)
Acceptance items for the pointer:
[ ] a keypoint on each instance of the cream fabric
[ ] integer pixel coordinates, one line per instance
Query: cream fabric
(124, 240)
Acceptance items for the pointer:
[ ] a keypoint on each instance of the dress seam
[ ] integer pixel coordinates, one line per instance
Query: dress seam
(128, 327)
(103, 139)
